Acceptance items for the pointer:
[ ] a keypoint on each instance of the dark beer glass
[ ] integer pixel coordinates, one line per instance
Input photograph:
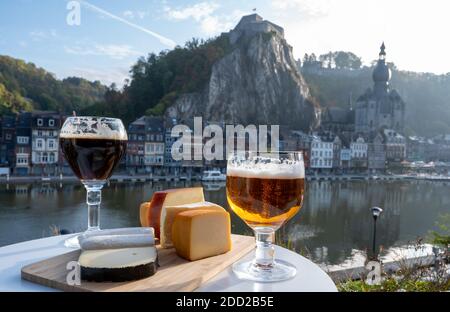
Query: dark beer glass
(265, 190)
(92, 146)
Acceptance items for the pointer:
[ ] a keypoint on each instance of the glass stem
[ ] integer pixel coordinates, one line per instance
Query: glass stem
(264, 255)
(93, 200)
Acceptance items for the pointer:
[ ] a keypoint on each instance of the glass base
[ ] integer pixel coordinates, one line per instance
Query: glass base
(279, 271)
(72, 242)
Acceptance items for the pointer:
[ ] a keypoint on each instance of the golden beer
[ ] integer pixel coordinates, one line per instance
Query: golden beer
(265, 201)
(265, 190)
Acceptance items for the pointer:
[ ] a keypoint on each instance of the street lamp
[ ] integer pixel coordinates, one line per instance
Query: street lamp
(376, 211)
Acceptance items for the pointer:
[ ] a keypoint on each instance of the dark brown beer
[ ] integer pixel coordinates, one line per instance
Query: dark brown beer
(266, 201)
(93, 158)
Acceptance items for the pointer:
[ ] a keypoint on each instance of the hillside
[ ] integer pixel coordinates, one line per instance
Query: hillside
(23, 86)
(246, 76)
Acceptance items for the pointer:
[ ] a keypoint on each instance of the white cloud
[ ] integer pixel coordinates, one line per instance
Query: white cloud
(40, 35)
(128, 14)
(206, 16)
(106, 76)
(198, 11)
(113, 51)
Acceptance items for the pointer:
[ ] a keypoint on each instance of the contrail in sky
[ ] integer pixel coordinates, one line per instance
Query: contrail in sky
(166, 41)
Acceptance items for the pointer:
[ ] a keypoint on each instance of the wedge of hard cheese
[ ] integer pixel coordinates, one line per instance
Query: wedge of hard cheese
(150, 214)
(198, 234)
(168, 214)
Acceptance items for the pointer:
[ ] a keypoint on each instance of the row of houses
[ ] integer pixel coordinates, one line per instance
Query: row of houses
(29, 145)
(330, 152)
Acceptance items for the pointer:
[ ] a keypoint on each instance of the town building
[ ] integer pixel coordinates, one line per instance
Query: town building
(173, 167)
(337, 146)
(338, 120)
(136, 146)
(252, 24)
(358, 150)
(417, 148)
(154, 145)
(7, 140)
(23, 144)
(395, 146)
(321, 155)
(376, 155)
(45, 127)
(345, 159)
(145, 148)
(380, 107)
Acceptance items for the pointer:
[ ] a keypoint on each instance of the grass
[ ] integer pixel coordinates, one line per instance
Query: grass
(392, 284)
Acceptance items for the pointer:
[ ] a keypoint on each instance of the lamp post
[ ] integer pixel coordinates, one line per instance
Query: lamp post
(376, 211)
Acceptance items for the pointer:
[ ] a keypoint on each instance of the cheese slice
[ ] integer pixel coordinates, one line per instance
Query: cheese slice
(118, 265)
(117, 241)
(198, 234)
(150, 214)
(168, 215)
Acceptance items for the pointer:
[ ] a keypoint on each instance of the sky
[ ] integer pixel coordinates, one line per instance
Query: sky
(108, 36)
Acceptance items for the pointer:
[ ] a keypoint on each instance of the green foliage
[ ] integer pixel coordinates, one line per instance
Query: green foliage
(340, 60)
(392, 284)
(23, 86)
(442, 235)
(158, 79)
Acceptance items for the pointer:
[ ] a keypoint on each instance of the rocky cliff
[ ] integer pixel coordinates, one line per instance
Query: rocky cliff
(256, 83)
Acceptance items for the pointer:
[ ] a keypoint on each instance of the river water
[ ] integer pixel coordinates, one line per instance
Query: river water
(334, 224)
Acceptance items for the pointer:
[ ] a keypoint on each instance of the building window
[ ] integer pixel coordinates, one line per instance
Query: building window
(8, 136)
(44, 158)
(39, 133)
(39, 144)
(51, 144)
(51, 158)
(40, 122)
(51, 122)
(22, 140)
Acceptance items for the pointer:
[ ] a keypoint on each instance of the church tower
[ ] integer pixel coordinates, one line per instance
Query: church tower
(379, 107)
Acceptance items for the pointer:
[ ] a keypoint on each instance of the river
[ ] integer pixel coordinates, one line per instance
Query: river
(334, 224)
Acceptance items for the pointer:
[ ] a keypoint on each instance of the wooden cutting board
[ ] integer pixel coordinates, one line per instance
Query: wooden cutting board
(174, 273)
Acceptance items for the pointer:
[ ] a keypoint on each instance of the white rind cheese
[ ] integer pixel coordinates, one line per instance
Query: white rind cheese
(117, 258)
(116, 241)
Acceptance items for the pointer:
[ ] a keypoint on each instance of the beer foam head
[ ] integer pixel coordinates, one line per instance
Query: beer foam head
(84, 127)
(289, 170)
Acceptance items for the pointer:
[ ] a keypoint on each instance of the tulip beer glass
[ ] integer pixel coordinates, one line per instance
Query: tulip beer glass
(265, 190)
(93, 146)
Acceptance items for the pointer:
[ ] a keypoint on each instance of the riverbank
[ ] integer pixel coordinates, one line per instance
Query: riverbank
(124, 178)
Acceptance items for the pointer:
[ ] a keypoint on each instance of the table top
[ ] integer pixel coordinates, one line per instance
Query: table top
(13, 257)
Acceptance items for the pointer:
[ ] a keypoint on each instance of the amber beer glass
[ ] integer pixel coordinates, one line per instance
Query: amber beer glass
(265, 190)
(92, 146)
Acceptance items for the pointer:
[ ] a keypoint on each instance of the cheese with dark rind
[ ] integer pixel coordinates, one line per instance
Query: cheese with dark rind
(151, 214)
(168, 216)
(199, 234)
(118, 265)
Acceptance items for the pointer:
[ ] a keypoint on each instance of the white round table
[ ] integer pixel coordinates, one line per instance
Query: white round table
(13, 257)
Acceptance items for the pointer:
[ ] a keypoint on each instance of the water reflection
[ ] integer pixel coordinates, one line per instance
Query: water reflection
(334, 225)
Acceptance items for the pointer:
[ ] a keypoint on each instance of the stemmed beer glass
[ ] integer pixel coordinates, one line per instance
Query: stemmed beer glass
(265, 190)
(92, 146)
